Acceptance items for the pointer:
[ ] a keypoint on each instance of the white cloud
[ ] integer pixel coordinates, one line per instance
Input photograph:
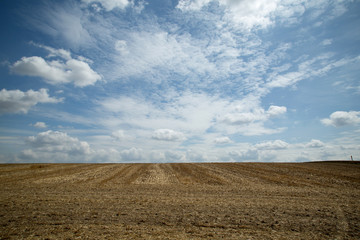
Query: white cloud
(64, 22)
(62, 53)
(57, 71)
(55, 142)
(247, 117)
(272, 145)
(250, 14)
(262, 13)
(40, 125)
(268, 155)
(290, 12)
(316, 66)
(157, 53)
(157, 156)
(15, 101)
(196, 156)
(286, 79)
(175, 156)
(243, 112)
(105, 155)
(110, 4)
(247, 14)
(222, 140)
(314, 143)
(257, 129)
(342, 118)
(275, 111)
(118, 135)
(194, 5)
(158, 56)
(190, 113)
(326, 42)
(139, 7)
(244, 155)
(166, 156)
(121, 47)
(132, 154)
(80, 73)
(168, 135)
(243, 118)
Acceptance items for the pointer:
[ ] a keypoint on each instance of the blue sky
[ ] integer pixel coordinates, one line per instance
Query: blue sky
(179, 81)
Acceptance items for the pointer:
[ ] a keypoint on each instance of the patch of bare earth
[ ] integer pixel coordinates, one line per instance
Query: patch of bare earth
(180, 201)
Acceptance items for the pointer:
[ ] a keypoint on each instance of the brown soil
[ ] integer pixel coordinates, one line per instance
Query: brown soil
(180, 201)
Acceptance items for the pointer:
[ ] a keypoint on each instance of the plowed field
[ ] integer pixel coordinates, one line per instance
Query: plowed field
(180, 201)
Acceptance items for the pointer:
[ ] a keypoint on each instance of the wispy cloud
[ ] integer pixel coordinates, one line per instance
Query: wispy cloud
(109, 4)
(64, 22)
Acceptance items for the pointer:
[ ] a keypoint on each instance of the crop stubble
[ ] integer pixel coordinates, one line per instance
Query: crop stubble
(180, 201)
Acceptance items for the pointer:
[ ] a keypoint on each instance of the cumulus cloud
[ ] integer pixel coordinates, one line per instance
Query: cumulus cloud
(168, 135)
(272, 145)
(247, 117)
(241, 115)
(342, 118)
(244, 155)
(29, 154)
(314, 143)
(132, 154)
(40, 125)
(15, 101)
(167, 156)
(55, 141)
(270, 155)
(222, 140)
(174, 156)
(57, 71)
(109, 4)
(195, 156)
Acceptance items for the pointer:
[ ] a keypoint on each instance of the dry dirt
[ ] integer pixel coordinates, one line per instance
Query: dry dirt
(180, 201)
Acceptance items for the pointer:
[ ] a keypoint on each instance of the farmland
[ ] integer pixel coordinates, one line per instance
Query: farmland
(319, 200)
